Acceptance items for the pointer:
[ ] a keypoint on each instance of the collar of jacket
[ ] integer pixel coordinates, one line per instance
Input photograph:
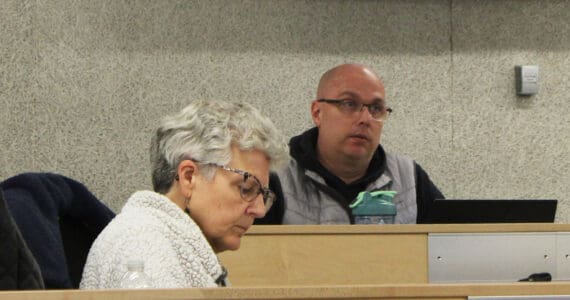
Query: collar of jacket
(303, 150)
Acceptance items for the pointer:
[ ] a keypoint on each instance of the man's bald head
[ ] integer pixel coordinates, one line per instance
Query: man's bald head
(341, 73)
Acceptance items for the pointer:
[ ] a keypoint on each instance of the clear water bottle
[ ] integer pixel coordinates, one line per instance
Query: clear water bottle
(374, 208)
(135, 278)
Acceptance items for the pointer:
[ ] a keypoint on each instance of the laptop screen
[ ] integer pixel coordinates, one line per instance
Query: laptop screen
(491, 211)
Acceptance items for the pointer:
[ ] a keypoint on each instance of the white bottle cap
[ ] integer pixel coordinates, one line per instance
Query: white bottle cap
(135, 265)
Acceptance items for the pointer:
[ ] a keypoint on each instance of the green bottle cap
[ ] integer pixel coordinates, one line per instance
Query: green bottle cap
(374, 203)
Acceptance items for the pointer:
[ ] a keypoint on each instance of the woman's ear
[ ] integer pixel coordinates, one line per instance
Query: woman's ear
(186, 173)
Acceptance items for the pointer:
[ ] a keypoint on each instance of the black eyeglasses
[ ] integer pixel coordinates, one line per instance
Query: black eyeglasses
(349, 107)
(250, 188)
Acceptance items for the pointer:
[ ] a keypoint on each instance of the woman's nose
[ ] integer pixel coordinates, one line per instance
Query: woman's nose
(257, 207)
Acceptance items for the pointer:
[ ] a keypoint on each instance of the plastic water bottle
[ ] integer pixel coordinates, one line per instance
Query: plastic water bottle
(374, 208)
(135, 278)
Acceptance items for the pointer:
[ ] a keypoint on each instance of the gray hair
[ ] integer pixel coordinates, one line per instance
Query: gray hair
(205, 131)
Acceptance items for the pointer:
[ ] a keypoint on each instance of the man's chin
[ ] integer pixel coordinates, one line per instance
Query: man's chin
(358, 151)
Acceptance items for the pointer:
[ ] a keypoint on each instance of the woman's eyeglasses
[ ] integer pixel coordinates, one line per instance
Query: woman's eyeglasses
(250, 188)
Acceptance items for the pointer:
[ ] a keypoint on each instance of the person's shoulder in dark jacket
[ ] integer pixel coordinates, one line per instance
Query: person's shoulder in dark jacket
(426, 193)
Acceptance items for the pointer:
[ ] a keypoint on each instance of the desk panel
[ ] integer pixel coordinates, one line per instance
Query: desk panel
(346, 254)
(330, 259)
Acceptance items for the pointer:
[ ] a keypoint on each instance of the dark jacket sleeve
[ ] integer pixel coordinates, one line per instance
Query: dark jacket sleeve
(275, 215)
(426, 193)
(18, 268)
(58, 218)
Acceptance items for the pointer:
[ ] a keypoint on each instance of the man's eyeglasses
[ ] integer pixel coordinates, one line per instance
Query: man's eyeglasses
(250, 188)
(350, 107)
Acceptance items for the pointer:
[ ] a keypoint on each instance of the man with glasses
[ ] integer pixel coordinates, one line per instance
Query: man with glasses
(342, 156)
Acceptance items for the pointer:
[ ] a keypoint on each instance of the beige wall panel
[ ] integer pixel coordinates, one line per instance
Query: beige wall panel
(83, 83)
(506, 146)
(17, 112)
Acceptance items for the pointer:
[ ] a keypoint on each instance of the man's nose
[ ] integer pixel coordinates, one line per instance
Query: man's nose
(365, 114)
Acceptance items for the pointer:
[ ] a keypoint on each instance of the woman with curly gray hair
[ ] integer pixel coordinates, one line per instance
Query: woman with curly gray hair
(210, 171)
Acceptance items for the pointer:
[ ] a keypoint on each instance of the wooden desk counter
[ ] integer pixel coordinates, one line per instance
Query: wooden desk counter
(404, 228)
(402, 291)
(281, 255)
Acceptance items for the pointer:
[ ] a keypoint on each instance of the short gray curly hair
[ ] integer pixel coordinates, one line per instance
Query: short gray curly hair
(205, 131)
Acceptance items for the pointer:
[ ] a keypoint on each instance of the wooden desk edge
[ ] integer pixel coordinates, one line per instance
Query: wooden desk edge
(405, 228)
(403, 291)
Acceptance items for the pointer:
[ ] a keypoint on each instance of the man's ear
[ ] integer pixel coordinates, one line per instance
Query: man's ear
(316, 112)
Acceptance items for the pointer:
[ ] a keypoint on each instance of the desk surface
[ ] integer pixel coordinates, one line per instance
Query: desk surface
(410, 291)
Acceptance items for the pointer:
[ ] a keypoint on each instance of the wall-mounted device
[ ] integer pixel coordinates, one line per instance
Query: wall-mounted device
(526, 80)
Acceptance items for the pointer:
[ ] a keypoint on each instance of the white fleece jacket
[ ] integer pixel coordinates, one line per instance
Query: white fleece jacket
(152, 228)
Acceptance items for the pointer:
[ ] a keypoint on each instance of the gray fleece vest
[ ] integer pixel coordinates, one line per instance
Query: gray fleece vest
(308, 200)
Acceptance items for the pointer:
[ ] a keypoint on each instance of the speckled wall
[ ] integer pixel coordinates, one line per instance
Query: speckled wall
(83, 83)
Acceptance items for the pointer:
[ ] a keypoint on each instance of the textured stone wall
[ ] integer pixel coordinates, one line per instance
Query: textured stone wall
(83, 83)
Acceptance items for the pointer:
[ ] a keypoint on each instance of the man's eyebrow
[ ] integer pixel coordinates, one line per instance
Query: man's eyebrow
(355, 96)
(349, 94)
